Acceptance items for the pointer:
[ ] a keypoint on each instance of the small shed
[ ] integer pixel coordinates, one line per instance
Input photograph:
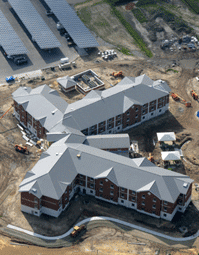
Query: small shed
(66, 83)
(170, 155)
(166, 136)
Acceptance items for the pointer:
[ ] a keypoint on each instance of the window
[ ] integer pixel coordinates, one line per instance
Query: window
(101, 183)
(160, 105)
(127, 119)
(145, 105)
(136, 109)
(109, 131)
(91, 191)
(143, 112)
(122, 195)
(164, 215)
(112, 187)
(152, 114)
(127, 124)
(143, 117)
(136, 121)
(143, 203)
(133, 198)
(133, 192)
(160, 110)
(91, 186)
(165, 209)
(118, 116)
(111, 198)
(81, 182)
(119, 122)
(122, 201)
(110, 120)
(122, 189)
(143, 196)
(91, 179)
(152, 108)
(110, 126)
(35, 206)
(111, 193)
(118, 128)
(101, 124)
(101, 189)
(154, 200)
(136, 115)
(132, 204)
(142, 208)
(93, 127)
(160, 100)
(153, 212)
(80, 176)
(128, 113)
(35, 200)
(165, 203)
(154, 206)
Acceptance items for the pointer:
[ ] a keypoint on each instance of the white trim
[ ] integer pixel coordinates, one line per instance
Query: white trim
(106, 200)
(30, 210)
(51, 212)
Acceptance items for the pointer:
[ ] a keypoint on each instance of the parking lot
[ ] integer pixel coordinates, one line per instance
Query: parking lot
(37, 58)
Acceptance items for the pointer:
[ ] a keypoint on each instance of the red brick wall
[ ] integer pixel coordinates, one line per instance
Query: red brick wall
(133, 112)
(106, 193)
(148, 207)
(50, 203)
(30, 200)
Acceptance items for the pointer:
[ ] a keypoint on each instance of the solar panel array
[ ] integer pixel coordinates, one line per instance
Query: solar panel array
(36, 26)
(9, 40)
(80, 34)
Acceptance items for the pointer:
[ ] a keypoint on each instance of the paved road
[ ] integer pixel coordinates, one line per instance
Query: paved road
(175, 239)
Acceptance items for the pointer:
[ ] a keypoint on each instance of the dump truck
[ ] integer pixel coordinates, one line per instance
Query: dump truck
(117, 74)
(77, 230)
(194, 95)
(21, 148)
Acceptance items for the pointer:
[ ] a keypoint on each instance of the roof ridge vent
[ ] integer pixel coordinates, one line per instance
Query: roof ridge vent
(57, 153)
(34, 190)
(54, 111)
(185, 185)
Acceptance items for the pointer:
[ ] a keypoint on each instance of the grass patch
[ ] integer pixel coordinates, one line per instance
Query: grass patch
(84, 15)
(193, 5)
(170, 69)
(102, 23)
(139, 15)
(125, 51)
(130, 30)
(100, 2)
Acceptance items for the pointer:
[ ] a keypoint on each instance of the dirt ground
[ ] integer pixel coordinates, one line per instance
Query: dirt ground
(179, 118)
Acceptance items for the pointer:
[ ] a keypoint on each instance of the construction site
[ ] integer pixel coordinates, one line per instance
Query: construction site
(19, 154)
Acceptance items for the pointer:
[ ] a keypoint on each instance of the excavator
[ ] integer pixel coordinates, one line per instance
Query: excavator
(194, 95)
(6, 111)
(21, 148)
(176, 97)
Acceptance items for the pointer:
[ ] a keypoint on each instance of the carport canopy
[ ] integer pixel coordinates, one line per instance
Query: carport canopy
(166, 136)
(170, 155)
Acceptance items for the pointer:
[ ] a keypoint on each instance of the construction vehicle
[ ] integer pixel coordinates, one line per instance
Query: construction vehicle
(6, 112)
(77, 230)
(117, 74)
(176, 97)
(194, 95)
(151, 158)
(21, 148)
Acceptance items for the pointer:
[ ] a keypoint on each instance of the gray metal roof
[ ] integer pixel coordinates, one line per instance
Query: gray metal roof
(108, 141)
(60, 164)
(52, 105)
(73, 25)
(66, 82)
(36, 26)
(98, 106)
(9, 39)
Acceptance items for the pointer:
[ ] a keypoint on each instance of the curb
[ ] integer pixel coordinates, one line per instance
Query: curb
(175, 239)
